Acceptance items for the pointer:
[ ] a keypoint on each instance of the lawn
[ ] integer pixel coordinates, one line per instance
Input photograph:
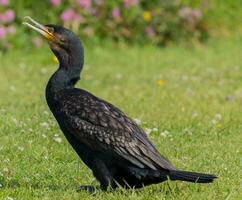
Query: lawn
(189, 99)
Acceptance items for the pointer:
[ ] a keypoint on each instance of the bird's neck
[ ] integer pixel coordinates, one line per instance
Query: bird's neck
(66, 76)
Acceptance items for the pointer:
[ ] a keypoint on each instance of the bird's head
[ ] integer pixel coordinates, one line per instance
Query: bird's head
(63, 42)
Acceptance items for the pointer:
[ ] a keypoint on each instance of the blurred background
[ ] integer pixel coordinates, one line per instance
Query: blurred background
(157, 22)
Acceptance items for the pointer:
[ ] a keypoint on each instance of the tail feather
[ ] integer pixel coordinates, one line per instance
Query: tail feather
(191, 176)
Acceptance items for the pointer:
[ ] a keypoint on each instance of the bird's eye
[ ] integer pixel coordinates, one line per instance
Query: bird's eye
(51, 29)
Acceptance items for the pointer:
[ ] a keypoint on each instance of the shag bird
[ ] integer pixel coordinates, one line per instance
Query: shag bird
(110, 143)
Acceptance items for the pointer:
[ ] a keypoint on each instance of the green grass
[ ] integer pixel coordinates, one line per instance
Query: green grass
(198, 107)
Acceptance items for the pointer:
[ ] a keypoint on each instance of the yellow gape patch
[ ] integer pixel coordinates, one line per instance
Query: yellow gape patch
(55, 59)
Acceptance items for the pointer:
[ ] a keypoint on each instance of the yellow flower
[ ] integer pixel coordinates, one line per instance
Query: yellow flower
(147, 16)
(55, 59)
(160, 83)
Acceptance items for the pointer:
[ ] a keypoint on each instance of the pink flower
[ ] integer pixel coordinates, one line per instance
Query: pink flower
(115, 13)
(88, 31)
(4, 2)
(67, 14)
(99, 2)
(196, 13)
(55, 3)
(8, 16)
(11, 30)
(84, 3)
(188, 12)
(185, 12)
(190, 17)
(3, 32)
(94, 12)
(78, 18)
(129, 3)
(149, 31)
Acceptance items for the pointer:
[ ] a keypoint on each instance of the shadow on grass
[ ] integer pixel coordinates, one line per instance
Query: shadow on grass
(166, 189)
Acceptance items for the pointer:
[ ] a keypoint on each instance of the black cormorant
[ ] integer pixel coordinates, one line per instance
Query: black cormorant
(111, 144)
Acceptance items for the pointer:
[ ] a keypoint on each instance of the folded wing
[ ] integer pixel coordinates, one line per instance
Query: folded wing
(103, 127)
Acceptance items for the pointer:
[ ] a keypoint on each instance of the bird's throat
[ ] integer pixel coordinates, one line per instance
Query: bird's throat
(62, 79)
(68, 73)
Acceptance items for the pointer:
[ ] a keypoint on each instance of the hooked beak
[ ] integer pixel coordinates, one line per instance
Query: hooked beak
(43, 30)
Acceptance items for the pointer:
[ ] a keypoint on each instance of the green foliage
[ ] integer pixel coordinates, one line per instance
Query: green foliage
(132, 21)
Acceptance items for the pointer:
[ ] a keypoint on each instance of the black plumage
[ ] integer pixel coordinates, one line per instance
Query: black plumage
(111, 144)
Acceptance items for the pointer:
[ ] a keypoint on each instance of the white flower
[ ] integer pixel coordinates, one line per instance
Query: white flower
(28, 120)
(46, 112)
(218, 116)
(116, 87)
(148, 131)
(15, 121)
(26, 179)
(45, 125)
(20, 148)
(137, 121)
(187, 131)
(22, 65)
(12, 88)
(57, 139)
(9, 198)
(5, 169)
(194, 115)
(119, 76)
(165, 133)
(184, 77)
(155, 129)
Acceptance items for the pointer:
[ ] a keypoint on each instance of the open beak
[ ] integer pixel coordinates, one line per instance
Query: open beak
(43, 30)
